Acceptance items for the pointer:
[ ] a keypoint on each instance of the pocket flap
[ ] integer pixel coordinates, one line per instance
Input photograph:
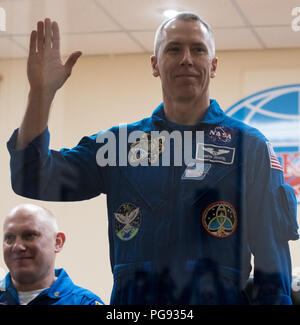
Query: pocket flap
(287, 212)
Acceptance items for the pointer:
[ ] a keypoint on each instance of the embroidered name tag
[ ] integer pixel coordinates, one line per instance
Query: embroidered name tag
(215, 154)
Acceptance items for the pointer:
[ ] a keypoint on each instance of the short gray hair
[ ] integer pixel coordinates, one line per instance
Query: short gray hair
(186, 16)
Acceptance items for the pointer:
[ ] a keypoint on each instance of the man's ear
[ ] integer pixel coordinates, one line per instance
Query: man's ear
(214, 63)
(59, 242)
(155, 71)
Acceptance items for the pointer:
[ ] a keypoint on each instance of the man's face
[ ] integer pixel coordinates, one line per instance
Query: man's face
(28, 247)
(184, 61)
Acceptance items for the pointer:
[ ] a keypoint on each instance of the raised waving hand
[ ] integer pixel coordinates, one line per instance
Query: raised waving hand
(45, 69)
(46, 74)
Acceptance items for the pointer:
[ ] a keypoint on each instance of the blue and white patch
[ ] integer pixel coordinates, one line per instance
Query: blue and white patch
(127, 221)
(196, 171)
(215, 154)
(221, 135)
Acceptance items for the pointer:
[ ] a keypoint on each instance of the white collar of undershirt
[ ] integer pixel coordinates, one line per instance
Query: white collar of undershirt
(26, 296)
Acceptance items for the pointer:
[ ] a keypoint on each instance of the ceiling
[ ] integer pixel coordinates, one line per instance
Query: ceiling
(128, 26)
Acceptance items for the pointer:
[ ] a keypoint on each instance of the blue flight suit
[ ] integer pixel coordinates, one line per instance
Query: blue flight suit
(62, 292)
(179, 234)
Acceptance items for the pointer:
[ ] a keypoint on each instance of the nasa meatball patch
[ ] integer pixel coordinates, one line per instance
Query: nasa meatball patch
(220, 219)
(127, 221)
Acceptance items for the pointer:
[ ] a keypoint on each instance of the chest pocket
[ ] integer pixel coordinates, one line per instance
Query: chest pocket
(219, 182)
(150, 184)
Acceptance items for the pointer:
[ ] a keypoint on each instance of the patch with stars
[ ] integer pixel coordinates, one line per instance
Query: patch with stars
(220, 219)
(127, 221)
(221, 135)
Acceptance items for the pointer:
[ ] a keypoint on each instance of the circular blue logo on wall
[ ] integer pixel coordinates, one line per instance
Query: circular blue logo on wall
(276, 113)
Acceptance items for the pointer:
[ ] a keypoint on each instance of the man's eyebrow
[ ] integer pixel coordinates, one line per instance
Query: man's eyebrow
(30, 231)
(8, 233)
(200, 44)
(172, 43)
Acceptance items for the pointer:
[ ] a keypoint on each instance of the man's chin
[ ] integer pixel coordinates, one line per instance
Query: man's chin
(185, 97)
(24, 275)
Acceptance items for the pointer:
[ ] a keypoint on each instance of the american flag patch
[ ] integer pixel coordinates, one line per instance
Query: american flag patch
(273, 158)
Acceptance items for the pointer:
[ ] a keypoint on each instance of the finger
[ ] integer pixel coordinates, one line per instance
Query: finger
(71, 62)
(56, 37)
(48, 33)
(32, 44)
(40, 35)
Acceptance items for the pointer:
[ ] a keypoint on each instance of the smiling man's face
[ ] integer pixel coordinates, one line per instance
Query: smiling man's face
(184, 61)
(29, 246)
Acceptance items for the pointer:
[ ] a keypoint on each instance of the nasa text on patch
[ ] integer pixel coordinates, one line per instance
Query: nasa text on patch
(221, 135)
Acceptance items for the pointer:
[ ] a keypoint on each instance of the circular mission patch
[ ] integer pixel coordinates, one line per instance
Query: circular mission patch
(220, 219)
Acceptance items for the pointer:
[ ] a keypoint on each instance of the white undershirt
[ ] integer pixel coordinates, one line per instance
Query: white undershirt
(26, 296)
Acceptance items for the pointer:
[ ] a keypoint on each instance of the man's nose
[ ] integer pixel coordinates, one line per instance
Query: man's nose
(187, 59)
(18, 246)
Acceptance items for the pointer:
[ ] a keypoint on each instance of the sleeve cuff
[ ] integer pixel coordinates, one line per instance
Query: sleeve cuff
(38, 147)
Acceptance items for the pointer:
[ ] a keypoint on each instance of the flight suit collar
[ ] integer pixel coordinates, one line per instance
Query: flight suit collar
(61, 287)
(213, 115)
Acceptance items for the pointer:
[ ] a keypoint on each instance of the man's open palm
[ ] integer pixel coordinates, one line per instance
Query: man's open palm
(45, 69)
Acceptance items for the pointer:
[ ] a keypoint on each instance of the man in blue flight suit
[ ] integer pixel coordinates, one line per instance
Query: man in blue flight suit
(31, 242)
(178, 233)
